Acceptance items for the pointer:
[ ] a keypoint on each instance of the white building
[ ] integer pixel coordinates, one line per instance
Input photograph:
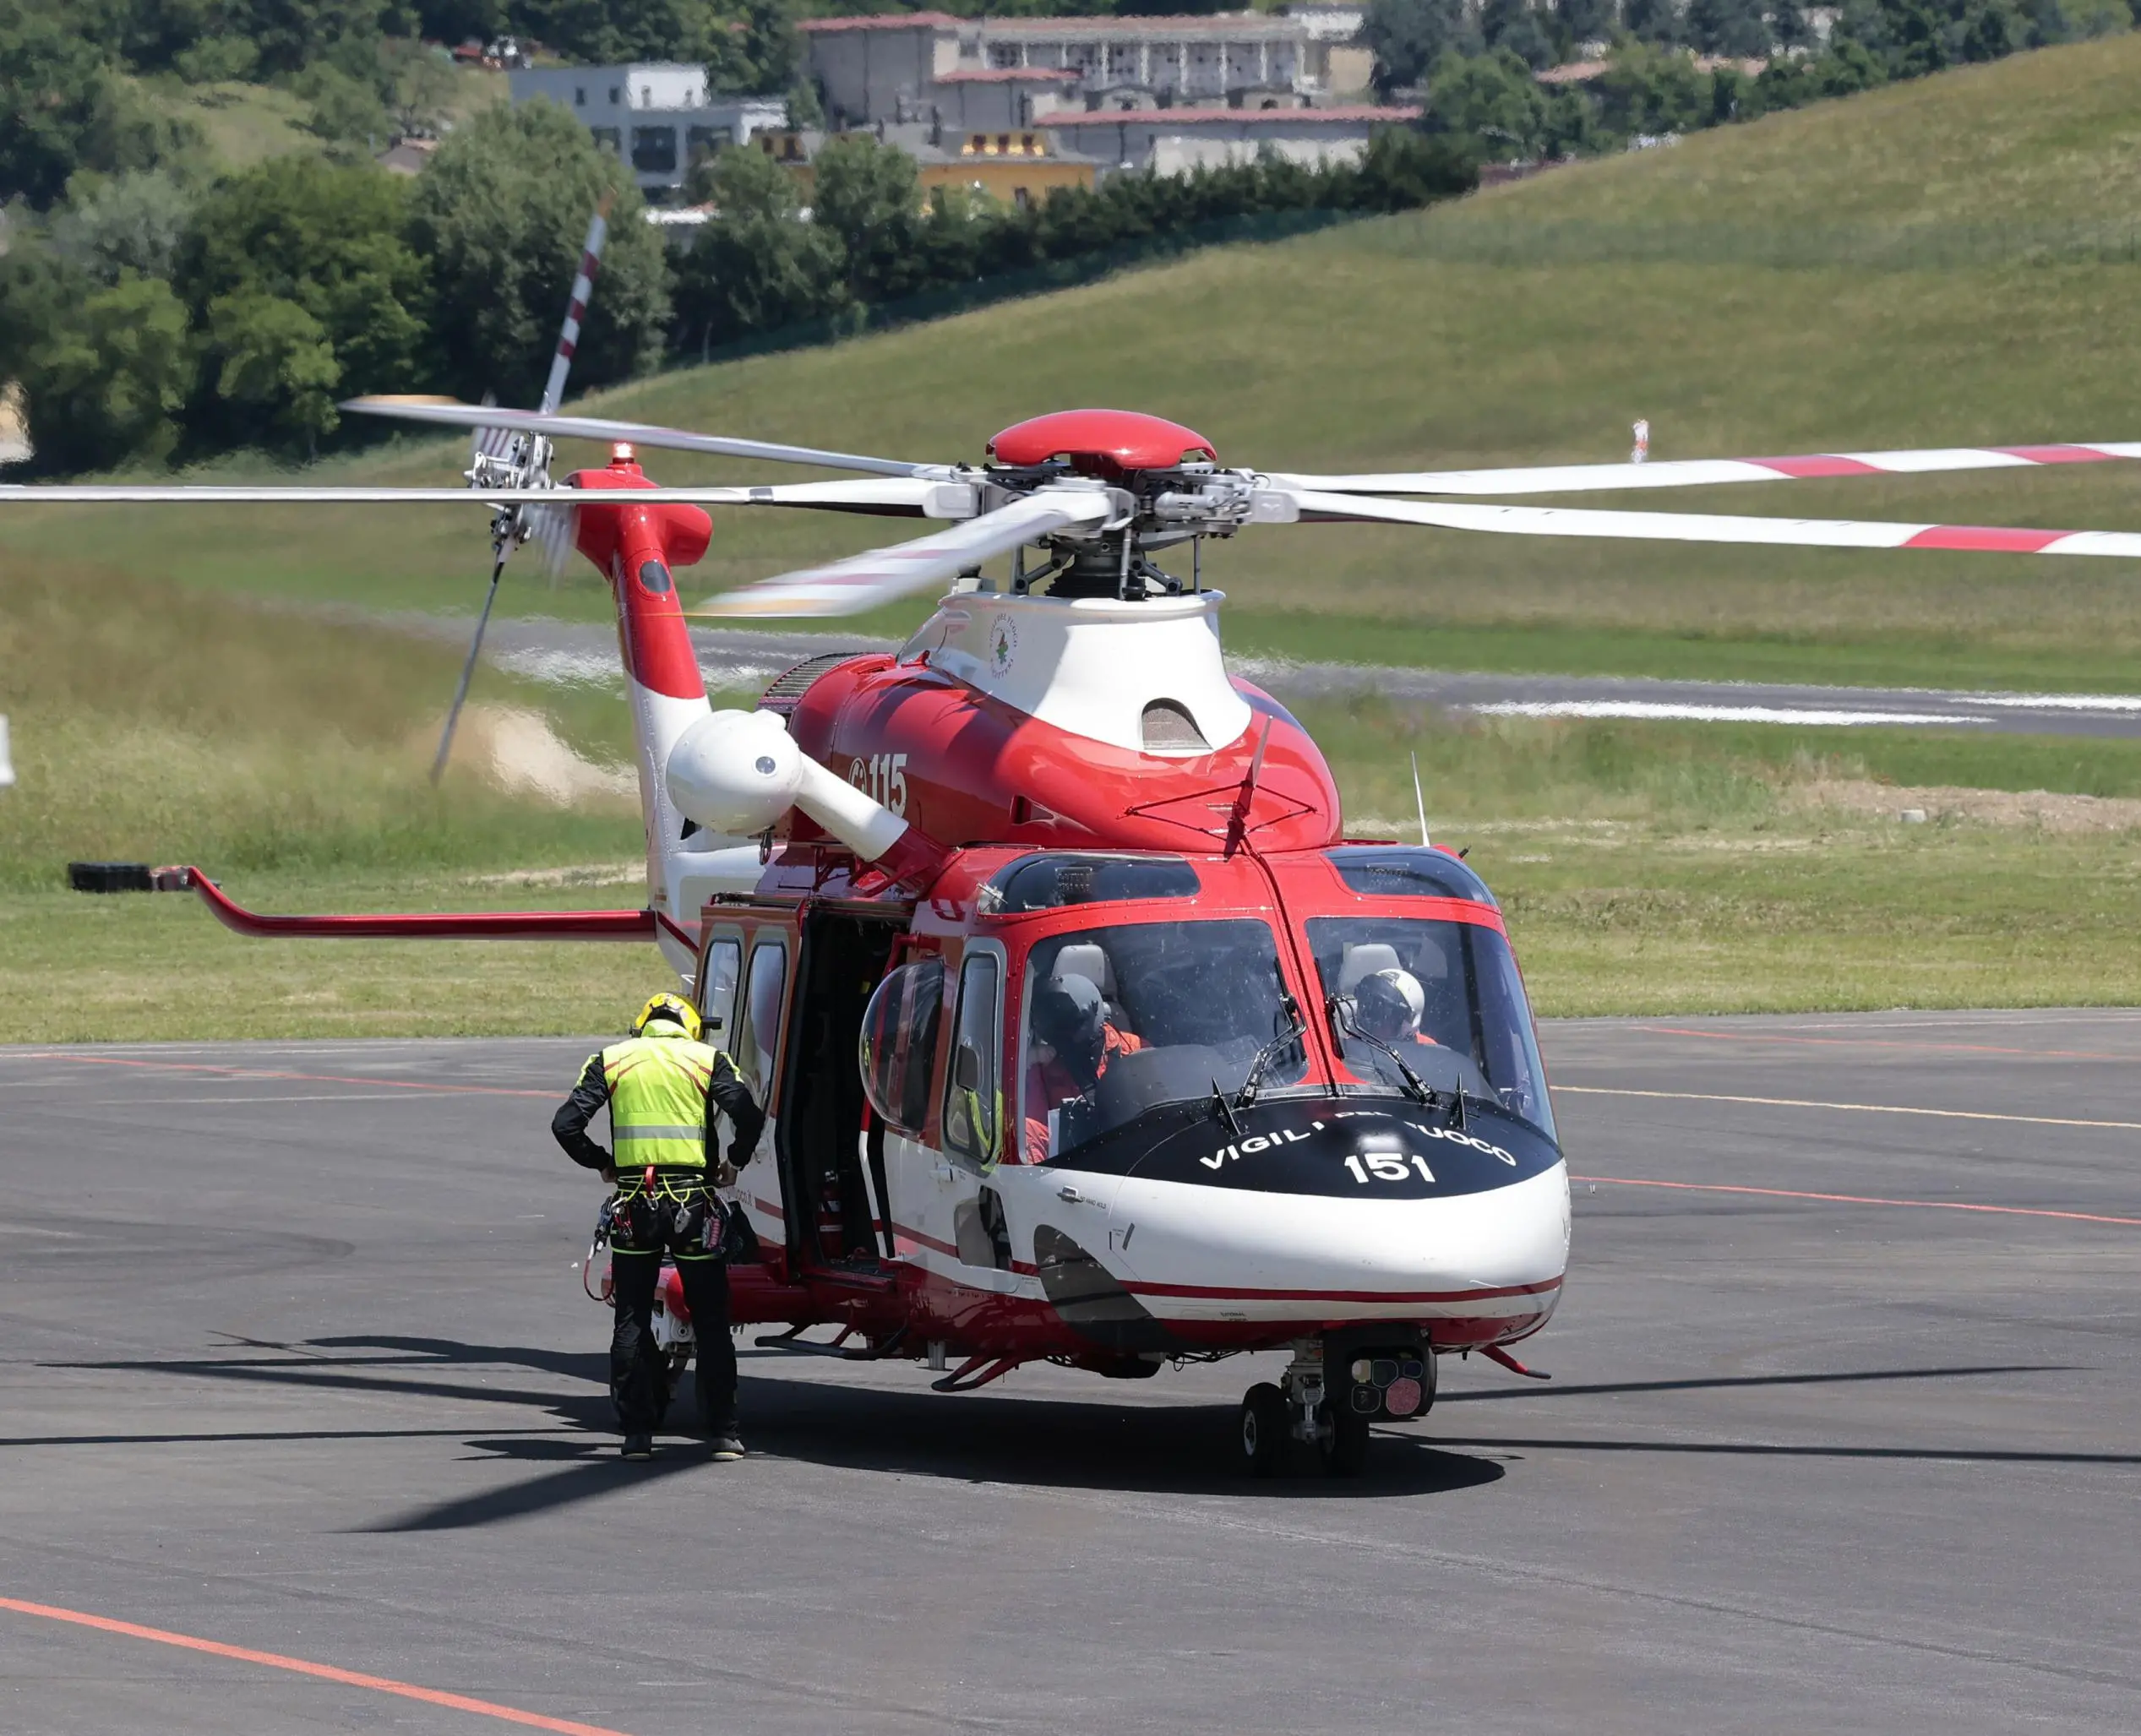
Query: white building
(658, 116)
(896, 68)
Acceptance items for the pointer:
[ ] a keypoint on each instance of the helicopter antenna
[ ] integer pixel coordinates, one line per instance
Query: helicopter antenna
(1238, 824)
(1419, 800)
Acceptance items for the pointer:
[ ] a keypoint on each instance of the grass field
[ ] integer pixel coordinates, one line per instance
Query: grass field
(1642, 871)
(1645, 868)
(1706, 288)
(247, 124)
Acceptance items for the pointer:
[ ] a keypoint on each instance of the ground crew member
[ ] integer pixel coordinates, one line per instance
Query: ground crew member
(669, 1096)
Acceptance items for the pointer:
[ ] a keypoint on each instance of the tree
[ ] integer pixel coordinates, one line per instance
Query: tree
(1644, 91)
(117, 223)
(1991, 32)
(420, 86)
(868, 195)
(1515, 25)
(319, 254)
(1655, 22)
(291, 34)
(603, 32)
(1492, 98)
(346, 111)
(104, 384)
(1727, 27)
(1410, 36)
(1587, 20)
(756, 266)
(499, 214)
(276, 360)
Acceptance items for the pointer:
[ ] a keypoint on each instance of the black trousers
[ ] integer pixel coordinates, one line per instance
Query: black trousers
(638, 1382)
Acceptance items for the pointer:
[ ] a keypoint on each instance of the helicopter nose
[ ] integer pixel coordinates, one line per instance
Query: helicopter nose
(1481, 1266)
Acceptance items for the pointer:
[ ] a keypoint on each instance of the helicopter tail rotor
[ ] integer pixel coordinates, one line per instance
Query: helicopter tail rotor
(519, 459)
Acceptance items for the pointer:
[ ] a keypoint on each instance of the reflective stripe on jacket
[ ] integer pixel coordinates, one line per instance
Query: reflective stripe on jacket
(661, 1108)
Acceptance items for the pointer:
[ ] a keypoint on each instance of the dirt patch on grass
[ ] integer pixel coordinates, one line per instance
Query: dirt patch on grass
(2042, 809)
(586, 874)
(521, 753)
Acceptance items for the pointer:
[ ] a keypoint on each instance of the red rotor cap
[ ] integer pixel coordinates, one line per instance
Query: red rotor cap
(1100, 442)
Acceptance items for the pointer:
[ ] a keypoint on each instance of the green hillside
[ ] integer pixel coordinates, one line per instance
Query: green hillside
(1529, 325)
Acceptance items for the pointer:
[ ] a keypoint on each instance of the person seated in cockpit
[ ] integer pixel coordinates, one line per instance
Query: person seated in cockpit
(1070, 1041)
(1386, 1007)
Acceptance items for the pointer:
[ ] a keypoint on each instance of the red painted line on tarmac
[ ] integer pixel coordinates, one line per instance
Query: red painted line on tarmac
(224, 1072)
(1629, 1181)
(1855, 1043)
(324, 1671)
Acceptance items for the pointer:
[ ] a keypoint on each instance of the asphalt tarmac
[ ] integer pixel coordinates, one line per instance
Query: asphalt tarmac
(575, 652)
(1844, 1433)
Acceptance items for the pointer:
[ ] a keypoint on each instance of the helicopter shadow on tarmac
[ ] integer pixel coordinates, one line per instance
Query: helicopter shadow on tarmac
(1058, 1443)
(1042, 1442)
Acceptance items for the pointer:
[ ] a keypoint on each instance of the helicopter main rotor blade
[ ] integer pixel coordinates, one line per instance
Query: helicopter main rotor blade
(1693, 473)
(906, 497)
(1712, 527)
(595, 427)
(864, 581)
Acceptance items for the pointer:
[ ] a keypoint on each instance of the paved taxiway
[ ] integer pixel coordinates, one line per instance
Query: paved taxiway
(294, 1358)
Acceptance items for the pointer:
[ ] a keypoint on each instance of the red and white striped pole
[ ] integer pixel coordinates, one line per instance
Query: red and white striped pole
(583, 286)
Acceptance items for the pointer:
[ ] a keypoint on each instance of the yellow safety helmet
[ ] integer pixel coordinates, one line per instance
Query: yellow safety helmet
(673, 1007)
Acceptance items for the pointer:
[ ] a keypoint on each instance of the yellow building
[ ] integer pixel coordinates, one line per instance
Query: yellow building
(1018, 167)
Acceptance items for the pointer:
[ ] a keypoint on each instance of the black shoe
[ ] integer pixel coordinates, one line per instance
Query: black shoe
(725, 1447)
(639, 1446)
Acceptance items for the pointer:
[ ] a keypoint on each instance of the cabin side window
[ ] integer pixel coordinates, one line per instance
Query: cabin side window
(758, 1040)
(973, 1099)
(718, 977)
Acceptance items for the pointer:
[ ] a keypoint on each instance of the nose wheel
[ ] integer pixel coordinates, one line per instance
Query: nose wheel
(1265, 1428)
(1295, 1417)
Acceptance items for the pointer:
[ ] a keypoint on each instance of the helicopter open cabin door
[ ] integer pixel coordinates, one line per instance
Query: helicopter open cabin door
(830, 1157)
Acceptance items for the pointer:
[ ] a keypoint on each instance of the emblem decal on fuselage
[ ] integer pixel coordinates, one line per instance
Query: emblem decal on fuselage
(1003, 644)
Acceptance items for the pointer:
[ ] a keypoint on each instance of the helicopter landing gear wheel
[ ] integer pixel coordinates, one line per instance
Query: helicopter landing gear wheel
(1344, 1452)
(1264, 1430)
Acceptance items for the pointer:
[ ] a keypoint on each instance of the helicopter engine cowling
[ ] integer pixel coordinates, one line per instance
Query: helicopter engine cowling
(739, 771)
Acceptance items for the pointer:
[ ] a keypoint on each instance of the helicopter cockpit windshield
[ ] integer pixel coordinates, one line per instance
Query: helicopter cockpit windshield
(1124, 1018)
(1444, 997)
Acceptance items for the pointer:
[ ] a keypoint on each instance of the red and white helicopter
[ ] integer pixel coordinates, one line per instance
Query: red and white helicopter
(1043, 940)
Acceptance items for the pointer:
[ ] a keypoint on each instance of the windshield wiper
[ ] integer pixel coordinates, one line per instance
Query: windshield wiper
(1271, 1051)
(1334, 1009)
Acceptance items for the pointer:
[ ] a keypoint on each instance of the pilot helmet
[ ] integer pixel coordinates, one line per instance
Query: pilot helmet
(1068, 1016)
(1388, 1004)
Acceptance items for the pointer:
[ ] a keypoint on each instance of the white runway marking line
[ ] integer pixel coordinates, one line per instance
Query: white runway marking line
(1602, 1090)
(398, 1097)
(1656, 710)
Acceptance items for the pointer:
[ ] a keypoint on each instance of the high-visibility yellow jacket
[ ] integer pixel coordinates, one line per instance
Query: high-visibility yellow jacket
(672, 1102)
